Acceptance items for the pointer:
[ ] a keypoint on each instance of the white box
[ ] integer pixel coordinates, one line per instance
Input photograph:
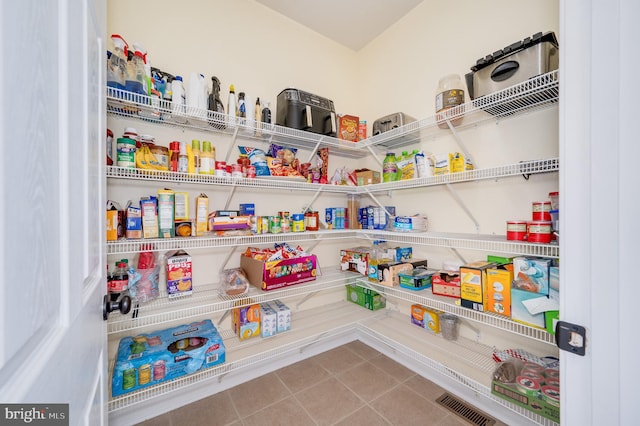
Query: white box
(283, 315)
(269, 320)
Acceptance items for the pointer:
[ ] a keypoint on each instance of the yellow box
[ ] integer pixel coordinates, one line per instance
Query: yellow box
(112, 225)
(458, 162)
(498, 294)
(181, 206)
(473, 278)
(427, 318)
(202, 215)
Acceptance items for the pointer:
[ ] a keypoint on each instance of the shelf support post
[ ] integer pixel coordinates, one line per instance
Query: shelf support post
(456, 197)
(310, 203)
(462, 146)
(230, 196)
(234, 141)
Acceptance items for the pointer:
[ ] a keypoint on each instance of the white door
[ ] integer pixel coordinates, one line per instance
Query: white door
(600, 231)
(52, 197)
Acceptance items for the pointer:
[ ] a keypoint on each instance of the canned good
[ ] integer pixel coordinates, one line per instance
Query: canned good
(129, 378)
(126, 153)
(221, 168)
(541, 210)
(264, 227)
(144, 374)
(159, 370)
(236, 171)
(275, 224)
(297, 225)
(251, 171)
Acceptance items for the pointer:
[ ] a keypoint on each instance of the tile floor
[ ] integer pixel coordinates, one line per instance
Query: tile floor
(350, 385)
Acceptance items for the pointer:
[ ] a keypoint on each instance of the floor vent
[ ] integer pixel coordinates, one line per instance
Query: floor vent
(464, 410)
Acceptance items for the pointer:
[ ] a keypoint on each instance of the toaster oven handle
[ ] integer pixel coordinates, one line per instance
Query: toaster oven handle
(308, 117)
(504, 70)
(334, 130)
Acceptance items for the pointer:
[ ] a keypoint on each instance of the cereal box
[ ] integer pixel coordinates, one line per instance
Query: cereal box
(179, 274)
(348, 127)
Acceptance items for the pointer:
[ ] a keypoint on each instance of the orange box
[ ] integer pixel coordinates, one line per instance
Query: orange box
(112, 225)
(348, 127)
(498, 294)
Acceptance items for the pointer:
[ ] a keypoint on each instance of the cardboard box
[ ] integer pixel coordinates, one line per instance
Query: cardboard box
(375, 217)
(181, 206)
(247, 209)
(355, 259)
(388, 272)
(446, 283)
(202, 215)
(545, 402)
(283, 314)
(134, 222)
(166, 213)
(367, 177)
(112, 225)
(519, 311)
(268, 320)
(148, 359)
(179, 274)
(473, 280)
(458, 163)
(280, 273)
(498, 289)
(426, 318)
(531, 274)
(348, 127)
(246, 319)
(365, 297)
(149, 207)
(335, 217)
(418, 279)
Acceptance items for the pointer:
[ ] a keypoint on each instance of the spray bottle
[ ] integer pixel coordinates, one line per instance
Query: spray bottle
(117, 65)
(231, 106)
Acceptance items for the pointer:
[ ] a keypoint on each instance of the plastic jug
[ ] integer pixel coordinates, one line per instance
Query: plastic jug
(117, 64)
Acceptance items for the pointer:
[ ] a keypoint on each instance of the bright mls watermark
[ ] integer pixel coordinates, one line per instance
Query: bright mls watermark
(34, 414)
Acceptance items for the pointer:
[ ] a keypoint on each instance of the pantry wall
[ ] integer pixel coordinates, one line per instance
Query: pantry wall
(260, 52)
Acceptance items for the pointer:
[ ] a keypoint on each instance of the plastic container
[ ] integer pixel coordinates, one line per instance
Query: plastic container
(449, 94)
(516, 230)
(449, 325)
(136, 76)
(117, 63)
(555, 200)
(179, 101)
(539, 231)
(232, 109)
(389, 168)
(555, 220)
(126, 153)
(540, 210)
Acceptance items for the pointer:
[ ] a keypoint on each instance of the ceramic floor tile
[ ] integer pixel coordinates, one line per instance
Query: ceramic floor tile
(329, 401)
(338, 359)
(287, 412)
(365, 416)
(367, 381)
(302, 374)
(452, 420)
(403, 407)
(362, 349)
(214, 410)
(391, 367)
(163, 420)
(424, 387)
(257, 394)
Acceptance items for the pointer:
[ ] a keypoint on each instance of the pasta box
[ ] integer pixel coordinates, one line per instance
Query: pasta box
(276, 274)
(148, 359)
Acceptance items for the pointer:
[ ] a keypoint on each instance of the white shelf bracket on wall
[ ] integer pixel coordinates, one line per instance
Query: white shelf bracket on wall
(226, 260)
(458, 255)
(374, 155)
(229, 197)
(234, 141)
(462, 146)
(307, 207)
(375, 200)
(456, 197)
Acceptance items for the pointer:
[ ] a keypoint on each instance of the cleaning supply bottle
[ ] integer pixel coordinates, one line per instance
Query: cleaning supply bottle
(137, 77)
(242, 107)
(249, 111)
(258, 117)
(232, 110)
(266, 113)
(140, 50)
(215, 104)
(117, 64)
(389, 168)
(178, 102)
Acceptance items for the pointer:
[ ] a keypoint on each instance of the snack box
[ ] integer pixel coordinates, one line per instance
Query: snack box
(531, 274)
(279, 273)
(418, 279)
(426, 318)
(527, 392)
(148, 359)
(179, 274)
(355, 259)
(348, 127)
(446, 283)
(134, 222)
(225, 223)
(473, 279)
(367, 177)
(365, 297)
(498, 289)
(245, 319)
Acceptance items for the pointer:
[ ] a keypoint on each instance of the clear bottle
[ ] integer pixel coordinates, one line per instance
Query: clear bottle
(183, 159)
(449, 94)
(389, 168)
(136, 76)
(117, 64)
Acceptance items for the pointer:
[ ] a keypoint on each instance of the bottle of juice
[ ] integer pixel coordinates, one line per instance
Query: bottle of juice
(389, 168)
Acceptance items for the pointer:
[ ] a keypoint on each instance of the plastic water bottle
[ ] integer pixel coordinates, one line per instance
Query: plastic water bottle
(117, 64)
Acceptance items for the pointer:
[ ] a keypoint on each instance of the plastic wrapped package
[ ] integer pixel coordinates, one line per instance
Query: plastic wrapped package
(233, 282)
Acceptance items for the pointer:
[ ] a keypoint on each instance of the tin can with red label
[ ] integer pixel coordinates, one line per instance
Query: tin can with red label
(539, 231)
(516, 230)
(250, 172)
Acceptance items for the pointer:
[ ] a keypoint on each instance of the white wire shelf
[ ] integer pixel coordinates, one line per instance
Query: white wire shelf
(463, 361)
(126, 104)
(206, 301)
(447, 304)
(522, 168)
(307, 328)
(535, 94)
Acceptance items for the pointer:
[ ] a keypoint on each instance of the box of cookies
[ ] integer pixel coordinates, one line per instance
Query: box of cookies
(179, 274)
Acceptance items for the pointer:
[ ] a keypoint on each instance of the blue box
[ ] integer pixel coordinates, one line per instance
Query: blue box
(531, 274)
(148, 359)
(247, 209)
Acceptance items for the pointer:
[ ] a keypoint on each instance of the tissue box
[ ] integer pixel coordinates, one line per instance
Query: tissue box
(148, 359)
(279, 273)
(268, 320)
(283, 315)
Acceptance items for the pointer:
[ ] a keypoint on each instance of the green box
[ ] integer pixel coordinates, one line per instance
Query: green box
(535, 403)
(365, 297)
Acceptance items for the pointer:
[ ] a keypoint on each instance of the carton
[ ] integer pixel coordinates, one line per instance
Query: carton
(498, 289)
(348, 127)
(446, 283)
(149, 208)
(148, 359)
(134, 222)
(367, 177)
(473, 280)
(389, 273)
(166, 213)
(279, 273)
(112, 225)
(246, 319)
(531, 274)
(283, 314)
(268, 320)
(179, 274)
(355, 259)
(202, 215)
(365, 297)
(181, 206)
(426, 318)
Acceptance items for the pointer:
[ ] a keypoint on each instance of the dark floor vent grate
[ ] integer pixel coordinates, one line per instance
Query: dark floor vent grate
(464, 410)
